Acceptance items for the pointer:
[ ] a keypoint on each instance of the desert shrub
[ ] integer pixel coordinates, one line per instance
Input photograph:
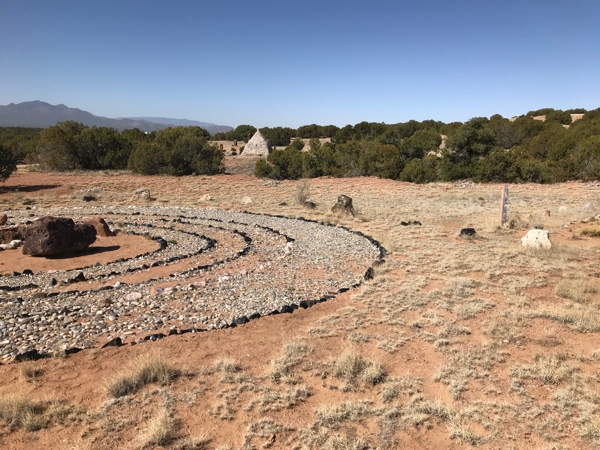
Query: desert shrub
(497, 166)
(8, 162)
(297, 144)
(177, 151)
(263, 169)
(421, 170)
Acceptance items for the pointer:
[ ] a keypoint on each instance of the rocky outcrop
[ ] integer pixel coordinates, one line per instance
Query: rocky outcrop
(102, 228)
(343, 205)
(53, 235)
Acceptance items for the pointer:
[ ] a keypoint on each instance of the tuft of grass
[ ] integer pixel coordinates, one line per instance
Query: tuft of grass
(576, 290)
(591, 232)
(227, 365)
(30, 371)
(352, 367)
(552, 369)
(146, 369)
(29, 415)
(282, 368)
(161, 430)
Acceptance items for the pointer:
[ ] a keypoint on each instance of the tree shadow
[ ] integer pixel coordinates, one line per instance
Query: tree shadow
(27, 188)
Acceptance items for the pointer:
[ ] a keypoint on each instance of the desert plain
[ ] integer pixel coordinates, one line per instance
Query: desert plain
(453, 343)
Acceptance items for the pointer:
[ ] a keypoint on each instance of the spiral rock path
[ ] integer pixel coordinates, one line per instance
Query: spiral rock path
(214, 269)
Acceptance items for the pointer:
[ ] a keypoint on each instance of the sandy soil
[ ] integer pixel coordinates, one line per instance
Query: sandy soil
(455, 343)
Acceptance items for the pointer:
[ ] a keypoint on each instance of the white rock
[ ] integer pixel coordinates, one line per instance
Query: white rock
(563, 210)
(205, 198)
(536, 239)
(246, 200)
(17, 242)
(589, 207)
(133, 296)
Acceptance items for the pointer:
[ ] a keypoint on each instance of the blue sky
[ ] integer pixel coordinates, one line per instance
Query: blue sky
(283, 63)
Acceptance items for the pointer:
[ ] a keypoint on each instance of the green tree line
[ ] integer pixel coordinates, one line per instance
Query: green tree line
(485, 150)
(72, 146)
(482, 149)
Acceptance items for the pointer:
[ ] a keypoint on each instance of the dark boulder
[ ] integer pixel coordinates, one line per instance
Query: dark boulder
(310, 205)
(52, 235)
(12, 233)
(466, 232)
(343, 205)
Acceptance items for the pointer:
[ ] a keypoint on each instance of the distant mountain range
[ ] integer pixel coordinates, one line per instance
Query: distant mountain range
(39, 114)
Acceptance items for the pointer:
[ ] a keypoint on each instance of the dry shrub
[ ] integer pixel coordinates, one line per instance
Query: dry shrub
(227, 366)
(590, 428)
(302, 193)
(333, 417)
(552, 369)
(291, 356)
(591, 232)
(161, 430)
(146, 369)
(29, 415)
(30, 370)
(580, 317)
(459, 430)
(575, 290)
(392, 388)
(352, 367)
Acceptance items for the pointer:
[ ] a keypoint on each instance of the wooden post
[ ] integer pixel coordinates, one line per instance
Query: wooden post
(503, 206)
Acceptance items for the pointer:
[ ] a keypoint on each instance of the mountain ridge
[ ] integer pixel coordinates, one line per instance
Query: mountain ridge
(39, 114)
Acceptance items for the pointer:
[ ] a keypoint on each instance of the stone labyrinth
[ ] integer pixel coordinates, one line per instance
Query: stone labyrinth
(212, 269)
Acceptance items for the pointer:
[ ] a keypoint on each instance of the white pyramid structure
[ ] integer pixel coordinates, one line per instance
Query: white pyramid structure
(257, 145)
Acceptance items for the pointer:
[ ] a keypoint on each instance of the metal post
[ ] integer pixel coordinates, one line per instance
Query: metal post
(503, 206)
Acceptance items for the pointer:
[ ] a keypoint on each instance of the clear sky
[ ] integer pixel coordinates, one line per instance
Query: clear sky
(284, 63)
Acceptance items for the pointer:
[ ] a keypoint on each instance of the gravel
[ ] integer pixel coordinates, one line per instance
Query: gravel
(268, 265)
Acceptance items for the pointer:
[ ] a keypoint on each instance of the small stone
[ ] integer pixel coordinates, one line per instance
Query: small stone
(563, 210)
(133, 296)
(3, 218)
(589, 207)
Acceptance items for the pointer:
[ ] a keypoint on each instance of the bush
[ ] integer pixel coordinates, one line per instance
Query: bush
(8, 163)
(263, 169)
(421, 170)
(177, 151)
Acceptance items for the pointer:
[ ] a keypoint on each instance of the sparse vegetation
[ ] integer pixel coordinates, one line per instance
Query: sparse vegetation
(146, 369)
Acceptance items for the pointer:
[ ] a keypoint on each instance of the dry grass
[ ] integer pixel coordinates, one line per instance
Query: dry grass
(282, 368)
(19, 412)
(146, 369)
(30, 371)
(352, 367)
(576, 290)
(161, 430)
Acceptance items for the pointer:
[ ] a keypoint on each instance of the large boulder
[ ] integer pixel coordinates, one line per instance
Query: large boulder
(536, 239)
(8, 234)
(343, 205)
(102, 228)
(52, 235)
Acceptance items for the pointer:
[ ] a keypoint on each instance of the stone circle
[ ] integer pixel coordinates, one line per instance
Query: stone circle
(214, 269)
